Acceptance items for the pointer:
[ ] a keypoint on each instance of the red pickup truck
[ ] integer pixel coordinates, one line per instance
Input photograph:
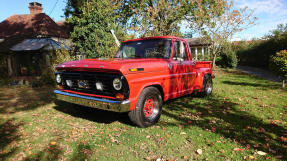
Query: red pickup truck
(143, 74)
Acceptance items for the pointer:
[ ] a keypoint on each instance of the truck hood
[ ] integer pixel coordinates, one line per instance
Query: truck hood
(124, 66)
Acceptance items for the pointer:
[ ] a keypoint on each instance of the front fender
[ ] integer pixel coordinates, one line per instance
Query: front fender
(137, 90)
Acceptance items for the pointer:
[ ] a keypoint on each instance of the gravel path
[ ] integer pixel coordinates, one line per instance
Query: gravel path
(259, 72)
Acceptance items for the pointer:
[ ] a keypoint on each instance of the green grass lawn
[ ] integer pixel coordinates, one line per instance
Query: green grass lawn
(245, 117)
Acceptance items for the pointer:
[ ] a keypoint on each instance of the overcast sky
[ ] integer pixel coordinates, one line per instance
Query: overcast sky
(270, 13)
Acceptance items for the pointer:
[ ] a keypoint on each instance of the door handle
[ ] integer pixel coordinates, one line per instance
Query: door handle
(193, 63)
(169, 66)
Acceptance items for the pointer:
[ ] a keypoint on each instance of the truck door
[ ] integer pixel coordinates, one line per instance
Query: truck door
(190, 69)
(180, 70)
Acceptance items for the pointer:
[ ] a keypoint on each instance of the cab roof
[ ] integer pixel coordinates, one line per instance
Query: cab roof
(154, 37)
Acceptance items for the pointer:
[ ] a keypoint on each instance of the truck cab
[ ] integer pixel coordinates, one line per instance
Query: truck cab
(143, 74)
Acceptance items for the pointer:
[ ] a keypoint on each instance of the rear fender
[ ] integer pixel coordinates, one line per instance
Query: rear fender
(199, 78)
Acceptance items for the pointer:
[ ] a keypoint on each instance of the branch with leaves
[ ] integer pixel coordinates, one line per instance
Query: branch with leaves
(220, 24)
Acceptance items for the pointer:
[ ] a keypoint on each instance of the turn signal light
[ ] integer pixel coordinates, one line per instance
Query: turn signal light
(120, 96)
(133, 69)
(136, 69)
(60, 87)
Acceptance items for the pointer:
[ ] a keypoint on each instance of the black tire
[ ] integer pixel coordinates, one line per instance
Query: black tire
(148, 108)
(207, 86)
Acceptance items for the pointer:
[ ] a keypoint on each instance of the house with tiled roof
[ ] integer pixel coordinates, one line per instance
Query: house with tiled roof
(199, 48)
(27, 40)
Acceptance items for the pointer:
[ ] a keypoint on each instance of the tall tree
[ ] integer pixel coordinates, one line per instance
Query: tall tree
(91, 32)
(149, 17)
(218, 26)
(73, 7)
(159, 17)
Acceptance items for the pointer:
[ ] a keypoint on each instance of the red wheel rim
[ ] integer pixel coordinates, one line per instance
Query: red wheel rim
(148, 107)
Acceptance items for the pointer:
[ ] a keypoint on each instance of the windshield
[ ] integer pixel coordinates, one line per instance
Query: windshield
(153, 48)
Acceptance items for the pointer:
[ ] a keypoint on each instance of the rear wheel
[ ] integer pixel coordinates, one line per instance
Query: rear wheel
(148, 109)
(207, 86)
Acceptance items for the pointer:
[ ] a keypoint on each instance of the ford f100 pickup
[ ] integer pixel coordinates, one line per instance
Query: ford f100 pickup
(143, 74)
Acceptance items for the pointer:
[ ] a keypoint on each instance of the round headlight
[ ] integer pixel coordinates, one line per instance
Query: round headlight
(58, 78)
(69, 83)
(117, 83)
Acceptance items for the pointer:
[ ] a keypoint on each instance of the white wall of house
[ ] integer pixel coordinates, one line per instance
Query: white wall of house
(199, 52)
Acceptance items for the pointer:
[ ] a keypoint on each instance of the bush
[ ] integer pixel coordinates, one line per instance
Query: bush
(227, 57)
(206, 57)
(278, 64)
(259, 52)
(48, 77)
(59, 57)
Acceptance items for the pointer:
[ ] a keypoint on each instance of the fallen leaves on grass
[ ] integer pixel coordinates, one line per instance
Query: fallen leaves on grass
(278, 156)
(261, 153)
(199, 151)
(261, 130)
(249, 157)
(283, 139)
(113, 140)
(238, 149)
(275, 122)
(182, 133)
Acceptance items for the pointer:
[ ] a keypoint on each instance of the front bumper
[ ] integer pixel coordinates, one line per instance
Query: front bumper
(105, 104)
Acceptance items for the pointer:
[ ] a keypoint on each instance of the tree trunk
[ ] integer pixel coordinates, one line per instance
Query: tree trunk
(283, 83)
(9, 64)
(213, 61)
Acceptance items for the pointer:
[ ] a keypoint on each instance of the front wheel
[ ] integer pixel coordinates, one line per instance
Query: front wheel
(148, 108)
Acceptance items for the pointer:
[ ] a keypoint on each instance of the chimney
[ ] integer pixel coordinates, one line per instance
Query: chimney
(35, 7)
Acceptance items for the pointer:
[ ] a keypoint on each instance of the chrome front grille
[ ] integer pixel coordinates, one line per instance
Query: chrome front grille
(86, 82)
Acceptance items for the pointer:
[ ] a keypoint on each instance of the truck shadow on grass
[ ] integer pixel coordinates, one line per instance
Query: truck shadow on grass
(221, 116)
(93, 114)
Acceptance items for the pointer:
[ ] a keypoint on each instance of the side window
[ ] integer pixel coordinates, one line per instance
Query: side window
(129, 52)
(175, 50)
(182, 51)
(179, 51)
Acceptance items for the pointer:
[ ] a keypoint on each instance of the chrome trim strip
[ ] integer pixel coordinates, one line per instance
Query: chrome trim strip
(105, 104)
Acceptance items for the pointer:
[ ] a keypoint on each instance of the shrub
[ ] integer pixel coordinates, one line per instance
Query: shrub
(227, 57)
(278, 64)
(259, 52)
(47, 77)
(206, 57)
(59, 57)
